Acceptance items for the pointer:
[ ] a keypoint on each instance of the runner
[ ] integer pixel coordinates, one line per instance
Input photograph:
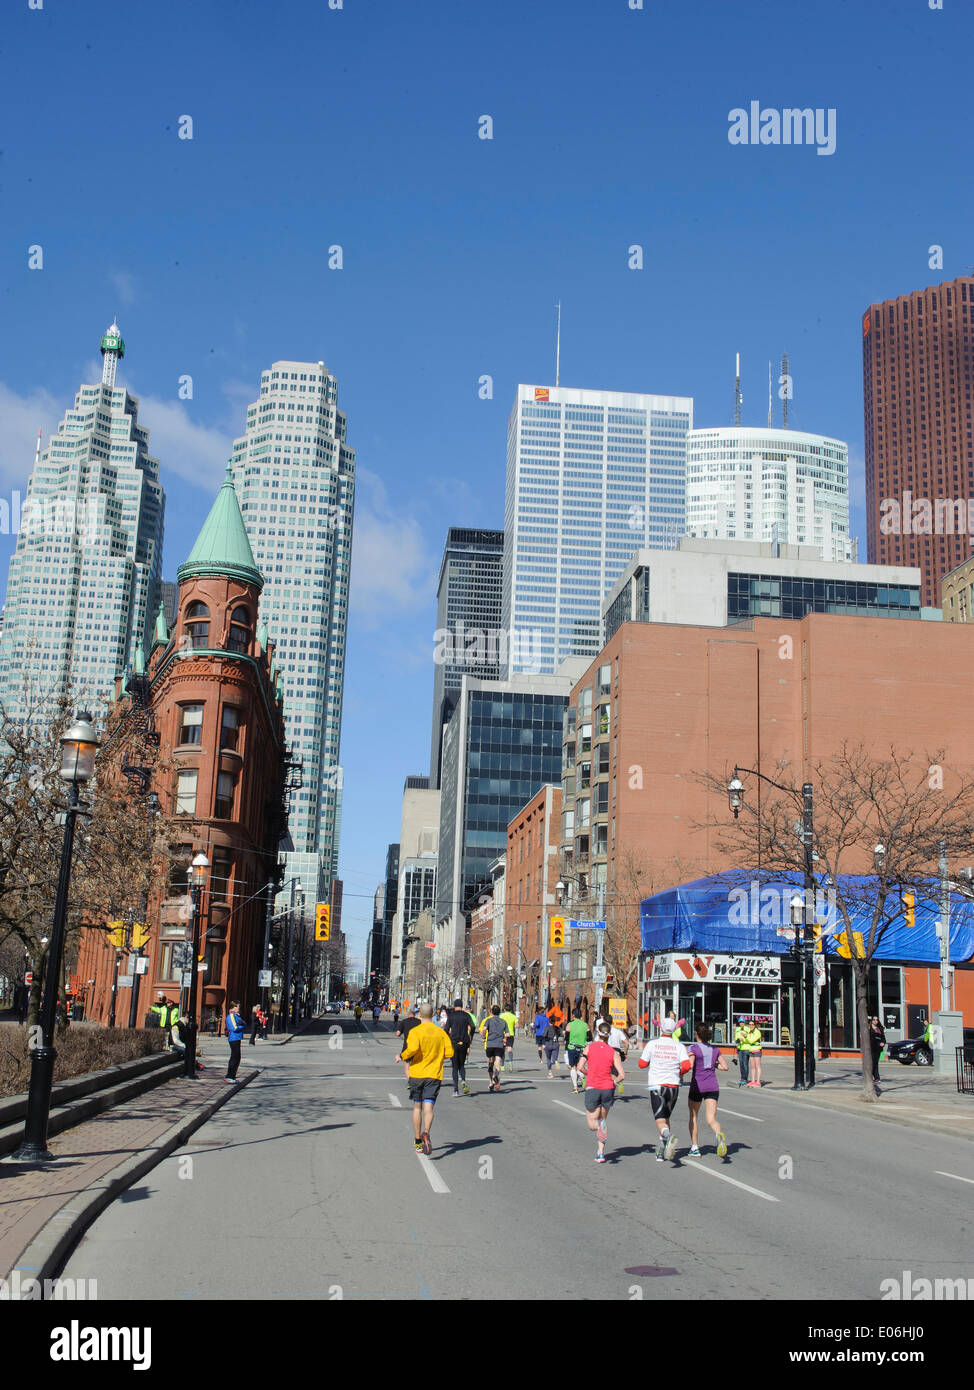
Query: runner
(704, 1086)
(601, 1068)
(358, 1013)
(667, 1061)
(540, 1024)
(494, 1030)
(459, 1025)
(552, 1042)
(577, 1036)
(427, 1048)
(511, 1021)
(620, 1041)
(403, 1030)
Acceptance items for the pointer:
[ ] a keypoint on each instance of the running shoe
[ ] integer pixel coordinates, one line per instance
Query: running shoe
(456, 1093)
(695, 1153)
(721, 1145)
(426, 1142)
(601, 1131)
(620, 1088)
(465, 1088)
(669, 1148)
(659, 1151)
(600, 1158)
(419, 1145)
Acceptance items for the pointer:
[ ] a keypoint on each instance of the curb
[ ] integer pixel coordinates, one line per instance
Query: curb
(50, 1248)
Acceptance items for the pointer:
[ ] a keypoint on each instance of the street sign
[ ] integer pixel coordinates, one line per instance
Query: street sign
(125, 981)
(186, 980)
(29, 978)
(133, 965)
(585, 924)
(598, 974)
(264, 978)
(430, 945)
(141, 965)
(787, 932)
(617, 1012)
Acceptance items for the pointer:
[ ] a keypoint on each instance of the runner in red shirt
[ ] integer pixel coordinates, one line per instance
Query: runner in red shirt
(601, 1066)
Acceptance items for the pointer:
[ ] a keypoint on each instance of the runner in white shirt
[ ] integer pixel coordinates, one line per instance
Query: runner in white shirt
(667, 1061)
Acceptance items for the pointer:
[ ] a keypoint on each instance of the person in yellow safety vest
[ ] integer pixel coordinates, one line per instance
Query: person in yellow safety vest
(752, 1041)
(743, 1055)
(166, 1013)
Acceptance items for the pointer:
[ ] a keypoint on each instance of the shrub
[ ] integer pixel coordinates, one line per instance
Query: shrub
(81, 1048)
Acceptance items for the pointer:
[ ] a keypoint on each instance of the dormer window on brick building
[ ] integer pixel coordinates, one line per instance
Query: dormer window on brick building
(198, 625)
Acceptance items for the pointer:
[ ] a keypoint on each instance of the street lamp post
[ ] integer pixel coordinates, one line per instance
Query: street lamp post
(78, 748)
(804, 1012)
(197, 871)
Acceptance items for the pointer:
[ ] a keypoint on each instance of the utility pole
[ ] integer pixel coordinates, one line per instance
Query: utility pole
(943, 931)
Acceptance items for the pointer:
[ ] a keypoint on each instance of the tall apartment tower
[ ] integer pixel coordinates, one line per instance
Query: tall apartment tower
(295, 477)
(83, 583)
(469, 604)
(762, 484)
(918, 371)
(592, 477)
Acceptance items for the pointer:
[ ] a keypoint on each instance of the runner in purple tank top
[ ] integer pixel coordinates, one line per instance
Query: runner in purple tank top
(705, 1088)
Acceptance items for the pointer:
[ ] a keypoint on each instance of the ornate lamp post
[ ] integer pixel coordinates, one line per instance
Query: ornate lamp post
(197, 878)
(804, 1028)
(78, 748)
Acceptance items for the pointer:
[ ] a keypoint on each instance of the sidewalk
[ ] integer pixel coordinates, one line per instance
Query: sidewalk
(45, 1210)
(913, 1096)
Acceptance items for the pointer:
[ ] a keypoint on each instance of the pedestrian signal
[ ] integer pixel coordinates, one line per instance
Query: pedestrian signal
(558, 931)
(323, 922)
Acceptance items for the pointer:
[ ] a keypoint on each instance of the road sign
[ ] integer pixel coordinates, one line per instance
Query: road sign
(585, 924)
(598, 974)
(787, 932)
(141, 965)
(29, 978)
(186, 981)
(264, 978)
(430, 945)
(125, 981)
(617, 1012)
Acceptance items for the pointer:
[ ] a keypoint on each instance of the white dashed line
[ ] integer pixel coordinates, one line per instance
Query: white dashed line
(740, 1115)
(957, 1176)
(436, 1182)
(712, 1173)
(394, 1100)
(573, 1108)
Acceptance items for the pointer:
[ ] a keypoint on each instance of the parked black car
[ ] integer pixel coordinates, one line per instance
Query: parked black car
(910, 1050)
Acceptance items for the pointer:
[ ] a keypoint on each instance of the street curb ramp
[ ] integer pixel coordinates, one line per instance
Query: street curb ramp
(45, 1256)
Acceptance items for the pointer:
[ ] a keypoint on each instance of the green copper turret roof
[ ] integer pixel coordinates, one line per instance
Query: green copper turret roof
(222, 547)
(139, 660)
(161, 635)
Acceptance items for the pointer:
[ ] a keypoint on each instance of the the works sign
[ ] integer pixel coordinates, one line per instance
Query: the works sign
(752, 970)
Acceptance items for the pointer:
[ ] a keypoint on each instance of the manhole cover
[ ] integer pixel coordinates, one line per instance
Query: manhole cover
(650, 1271)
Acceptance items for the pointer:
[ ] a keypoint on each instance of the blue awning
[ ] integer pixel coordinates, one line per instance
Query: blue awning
(733, 915)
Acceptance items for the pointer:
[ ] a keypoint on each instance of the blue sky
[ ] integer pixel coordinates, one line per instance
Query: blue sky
(359, 127)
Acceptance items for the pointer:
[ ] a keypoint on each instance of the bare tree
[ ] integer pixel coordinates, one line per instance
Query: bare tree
(879, 825)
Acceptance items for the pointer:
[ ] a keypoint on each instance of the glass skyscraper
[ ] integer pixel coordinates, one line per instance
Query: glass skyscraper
(469, 617)
(295, 478)
(84, 581)
(592, 476)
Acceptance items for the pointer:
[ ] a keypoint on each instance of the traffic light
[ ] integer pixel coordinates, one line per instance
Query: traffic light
(558, 932)
(323, 922)
(140, 935)
(909, 903)
(842, 945)
(117, 934)
(816, 936)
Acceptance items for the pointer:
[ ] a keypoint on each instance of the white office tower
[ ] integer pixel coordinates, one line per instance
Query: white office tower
(84, 581)
(295, 478)
(759, 484)
(592, 477)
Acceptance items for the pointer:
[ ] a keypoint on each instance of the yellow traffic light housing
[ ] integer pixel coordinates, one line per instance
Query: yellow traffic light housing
(323, 922)
(557, 932)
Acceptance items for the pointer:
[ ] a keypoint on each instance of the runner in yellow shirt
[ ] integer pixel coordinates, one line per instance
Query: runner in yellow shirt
(426, 1049)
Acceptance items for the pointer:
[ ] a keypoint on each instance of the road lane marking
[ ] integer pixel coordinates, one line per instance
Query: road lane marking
(573, 1108)
(436, 1182)
(740, 1115)
(395, 1101)
(942, 1174)
(711, 1173)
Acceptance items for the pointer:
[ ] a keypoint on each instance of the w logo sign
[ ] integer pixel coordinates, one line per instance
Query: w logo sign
(694, 965)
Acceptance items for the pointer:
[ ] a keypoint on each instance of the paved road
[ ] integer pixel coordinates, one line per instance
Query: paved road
(306, 1185)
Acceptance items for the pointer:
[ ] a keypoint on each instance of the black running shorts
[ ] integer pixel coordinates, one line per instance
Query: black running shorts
(663, 1101)
(423, 1088)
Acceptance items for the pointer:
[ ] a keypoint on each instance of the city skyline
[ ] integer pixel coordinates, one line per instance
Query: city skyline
(455, 249)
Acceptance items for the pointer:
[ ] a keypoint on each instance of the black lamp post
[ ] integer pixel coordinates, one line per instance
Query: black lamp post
(197, 878)
(78, 748)
(804, 1013)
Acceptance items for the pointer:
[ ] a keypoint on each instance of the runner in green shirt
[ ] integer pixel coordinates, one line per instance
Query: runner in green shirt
(578, 1035)
(511, 1021)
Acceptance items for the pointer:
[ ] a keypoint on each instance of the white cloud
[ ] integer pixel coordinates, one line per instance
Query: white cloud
(20, 419)
(393, 572)
(197, 453)
(124, 286)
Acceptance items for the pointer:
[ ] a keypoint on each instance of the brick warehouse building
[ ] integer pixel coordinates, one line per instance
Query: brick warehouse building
(531, 897)
(665, 704)
(211, 694)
